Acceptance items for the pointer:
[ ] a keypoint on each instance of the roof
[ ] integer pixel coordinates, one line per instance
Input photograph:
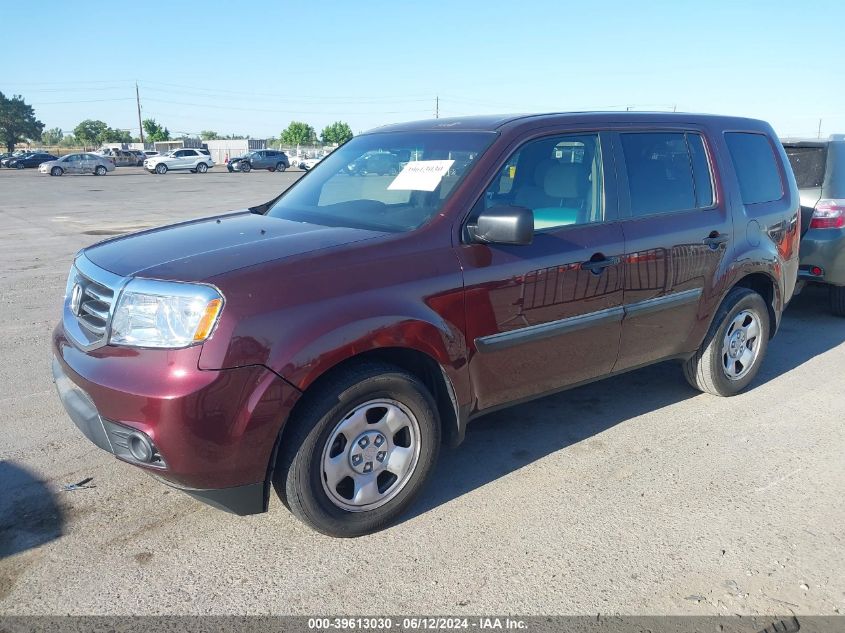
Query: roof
(494, 122)
(795, 140)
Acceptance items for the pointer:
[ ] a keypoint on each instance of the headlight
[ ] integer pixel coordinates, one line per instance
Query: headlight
(164, 314)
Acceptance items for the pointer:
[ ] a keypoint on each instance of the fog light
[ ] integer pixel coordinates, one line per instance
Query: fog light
(140, 447)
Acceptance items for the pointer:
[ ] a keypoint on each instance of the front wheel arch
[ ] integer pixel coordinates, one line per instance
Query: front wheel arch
(415, 362)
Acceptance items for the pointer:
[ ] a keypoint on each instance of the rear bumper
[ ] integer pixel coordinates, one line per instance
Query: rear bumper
(212, 433)
(824, 248)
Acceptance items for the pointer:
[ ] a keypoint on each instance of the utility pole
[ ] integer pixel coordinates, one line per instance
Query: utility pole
(437, 107)
(138, 102)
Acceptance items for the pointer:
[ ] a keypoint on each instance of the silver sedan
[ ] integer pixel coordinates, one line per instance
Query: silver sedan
(78, 164)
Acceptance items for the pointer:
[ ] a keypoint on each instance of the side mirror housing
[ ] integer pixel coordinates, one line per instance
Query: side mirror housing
(503, 225)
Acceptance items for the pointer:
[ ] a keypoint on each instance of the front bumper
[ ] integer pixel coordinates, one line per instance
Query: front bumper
(213, 432)
(824, 248)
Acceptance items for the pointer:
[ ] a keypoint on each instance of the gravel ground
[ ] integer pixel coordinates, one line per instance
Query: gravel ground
(634, 495)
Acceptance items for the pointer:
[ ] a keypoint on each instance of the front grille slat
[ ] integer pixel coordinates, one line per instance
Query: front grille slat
(86, 322)
(99, 293)
(101, 313)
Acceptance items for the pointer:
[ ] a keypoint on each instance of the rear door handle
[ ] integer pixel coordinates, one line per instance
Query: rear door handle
(596, 266)
(716, 239)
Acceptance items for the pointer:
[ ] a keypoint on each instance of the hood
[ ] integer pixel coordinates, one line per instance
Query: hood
(202, 249)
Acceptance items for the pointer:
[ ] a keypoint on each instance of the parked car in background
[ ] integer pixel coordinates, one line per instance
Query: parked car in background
(819, 167)
(83, 163)
(269, 159)
(378, 162)
(120, 157)
(309, 163)
(150, 152)
(28, 160)
(140, 157)
(193, 160)
(10, 157)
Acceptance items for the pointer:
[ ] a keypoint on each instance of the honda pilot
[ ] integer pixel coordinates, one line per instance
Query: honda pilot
(326, 343)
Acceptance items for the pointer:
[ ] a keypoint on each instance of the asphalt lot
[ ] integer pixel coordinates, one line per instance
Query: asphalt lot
(635, 495)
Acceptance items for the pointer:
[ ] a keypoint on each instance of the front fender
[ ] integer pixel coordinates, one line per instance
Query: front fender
(302, 366)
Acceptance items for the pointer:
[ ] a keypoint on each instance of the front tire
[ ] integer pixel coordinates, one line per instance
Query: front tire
(734, 348)
(358, 450)
(161, 169)
(57, 171)
(19, 165)
(100, 171)
(246, 167)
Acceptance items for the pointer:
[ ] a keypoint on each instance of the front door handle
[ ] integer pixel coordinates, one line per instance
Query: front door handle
(716, 239)
(598, 262)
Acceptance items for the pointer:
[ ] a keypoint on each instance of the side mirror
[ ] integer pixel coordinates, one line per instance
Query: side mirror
(503, 225)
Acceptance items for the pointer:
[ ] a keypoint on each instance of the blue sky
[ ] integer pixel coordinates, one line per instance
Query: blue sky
(252, 67)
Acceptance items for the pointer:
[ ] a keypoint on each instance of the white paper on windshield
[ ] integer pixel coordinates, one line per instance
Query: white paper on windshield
(421, 175)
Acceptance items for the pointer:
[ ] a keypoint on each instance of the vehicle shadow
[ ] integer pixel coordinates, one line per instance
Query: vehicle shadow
(504, 441)
(30, 515)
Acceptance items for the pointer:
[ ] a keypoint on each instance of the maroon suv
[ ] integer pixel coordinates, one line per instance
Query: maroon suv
(327, 342)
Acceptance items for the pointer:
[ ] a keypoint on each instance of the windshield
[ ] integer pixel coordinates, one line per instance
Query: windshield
(393, 181)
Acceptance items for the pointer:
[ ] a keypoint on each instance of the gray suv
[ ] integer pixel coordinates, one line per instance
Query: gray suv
(269, 159)
(819, 167)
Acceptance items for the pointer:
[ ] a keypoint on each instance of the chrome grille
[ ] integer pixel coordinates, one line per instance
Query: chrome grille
(89, 301)
(93, 312)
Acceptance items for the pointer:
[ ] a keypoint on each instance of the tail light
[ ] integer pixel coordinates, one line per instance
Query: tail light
(829, 214)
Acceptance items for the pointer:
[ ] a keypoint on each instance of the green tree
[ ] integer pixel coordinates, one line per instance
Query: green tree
(155, 132)
(53, 136)
(209, 135)
(338, 132)
(17, 122)
(91, 132)
(298, 133)
(110, 135)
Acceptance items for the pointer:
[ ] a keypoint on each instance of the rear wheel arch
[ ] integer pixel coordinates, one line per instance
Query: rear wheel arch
(765, 286)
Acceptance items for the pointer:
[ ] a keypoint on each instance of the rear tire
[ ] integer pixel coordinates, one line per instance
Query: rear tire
(100, 171)
(57, 171)
(202, 168)
(837, 300)
(360, 402)
(280, 167)
(734, 348)
(161, 169)
(19, 165)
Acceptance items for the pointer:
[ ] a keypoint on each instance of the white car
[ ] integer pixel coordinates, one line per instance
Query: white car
(194, 160)
(308, 163)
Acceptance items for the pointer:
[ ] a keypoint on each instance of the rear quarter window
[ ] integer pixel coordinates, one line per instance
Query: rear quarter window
(756, 167)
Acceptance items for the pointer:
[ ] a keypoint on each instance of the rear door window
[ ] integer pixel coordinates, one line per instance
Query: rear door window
(808, 164)
(667, 172)
(756, 167)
